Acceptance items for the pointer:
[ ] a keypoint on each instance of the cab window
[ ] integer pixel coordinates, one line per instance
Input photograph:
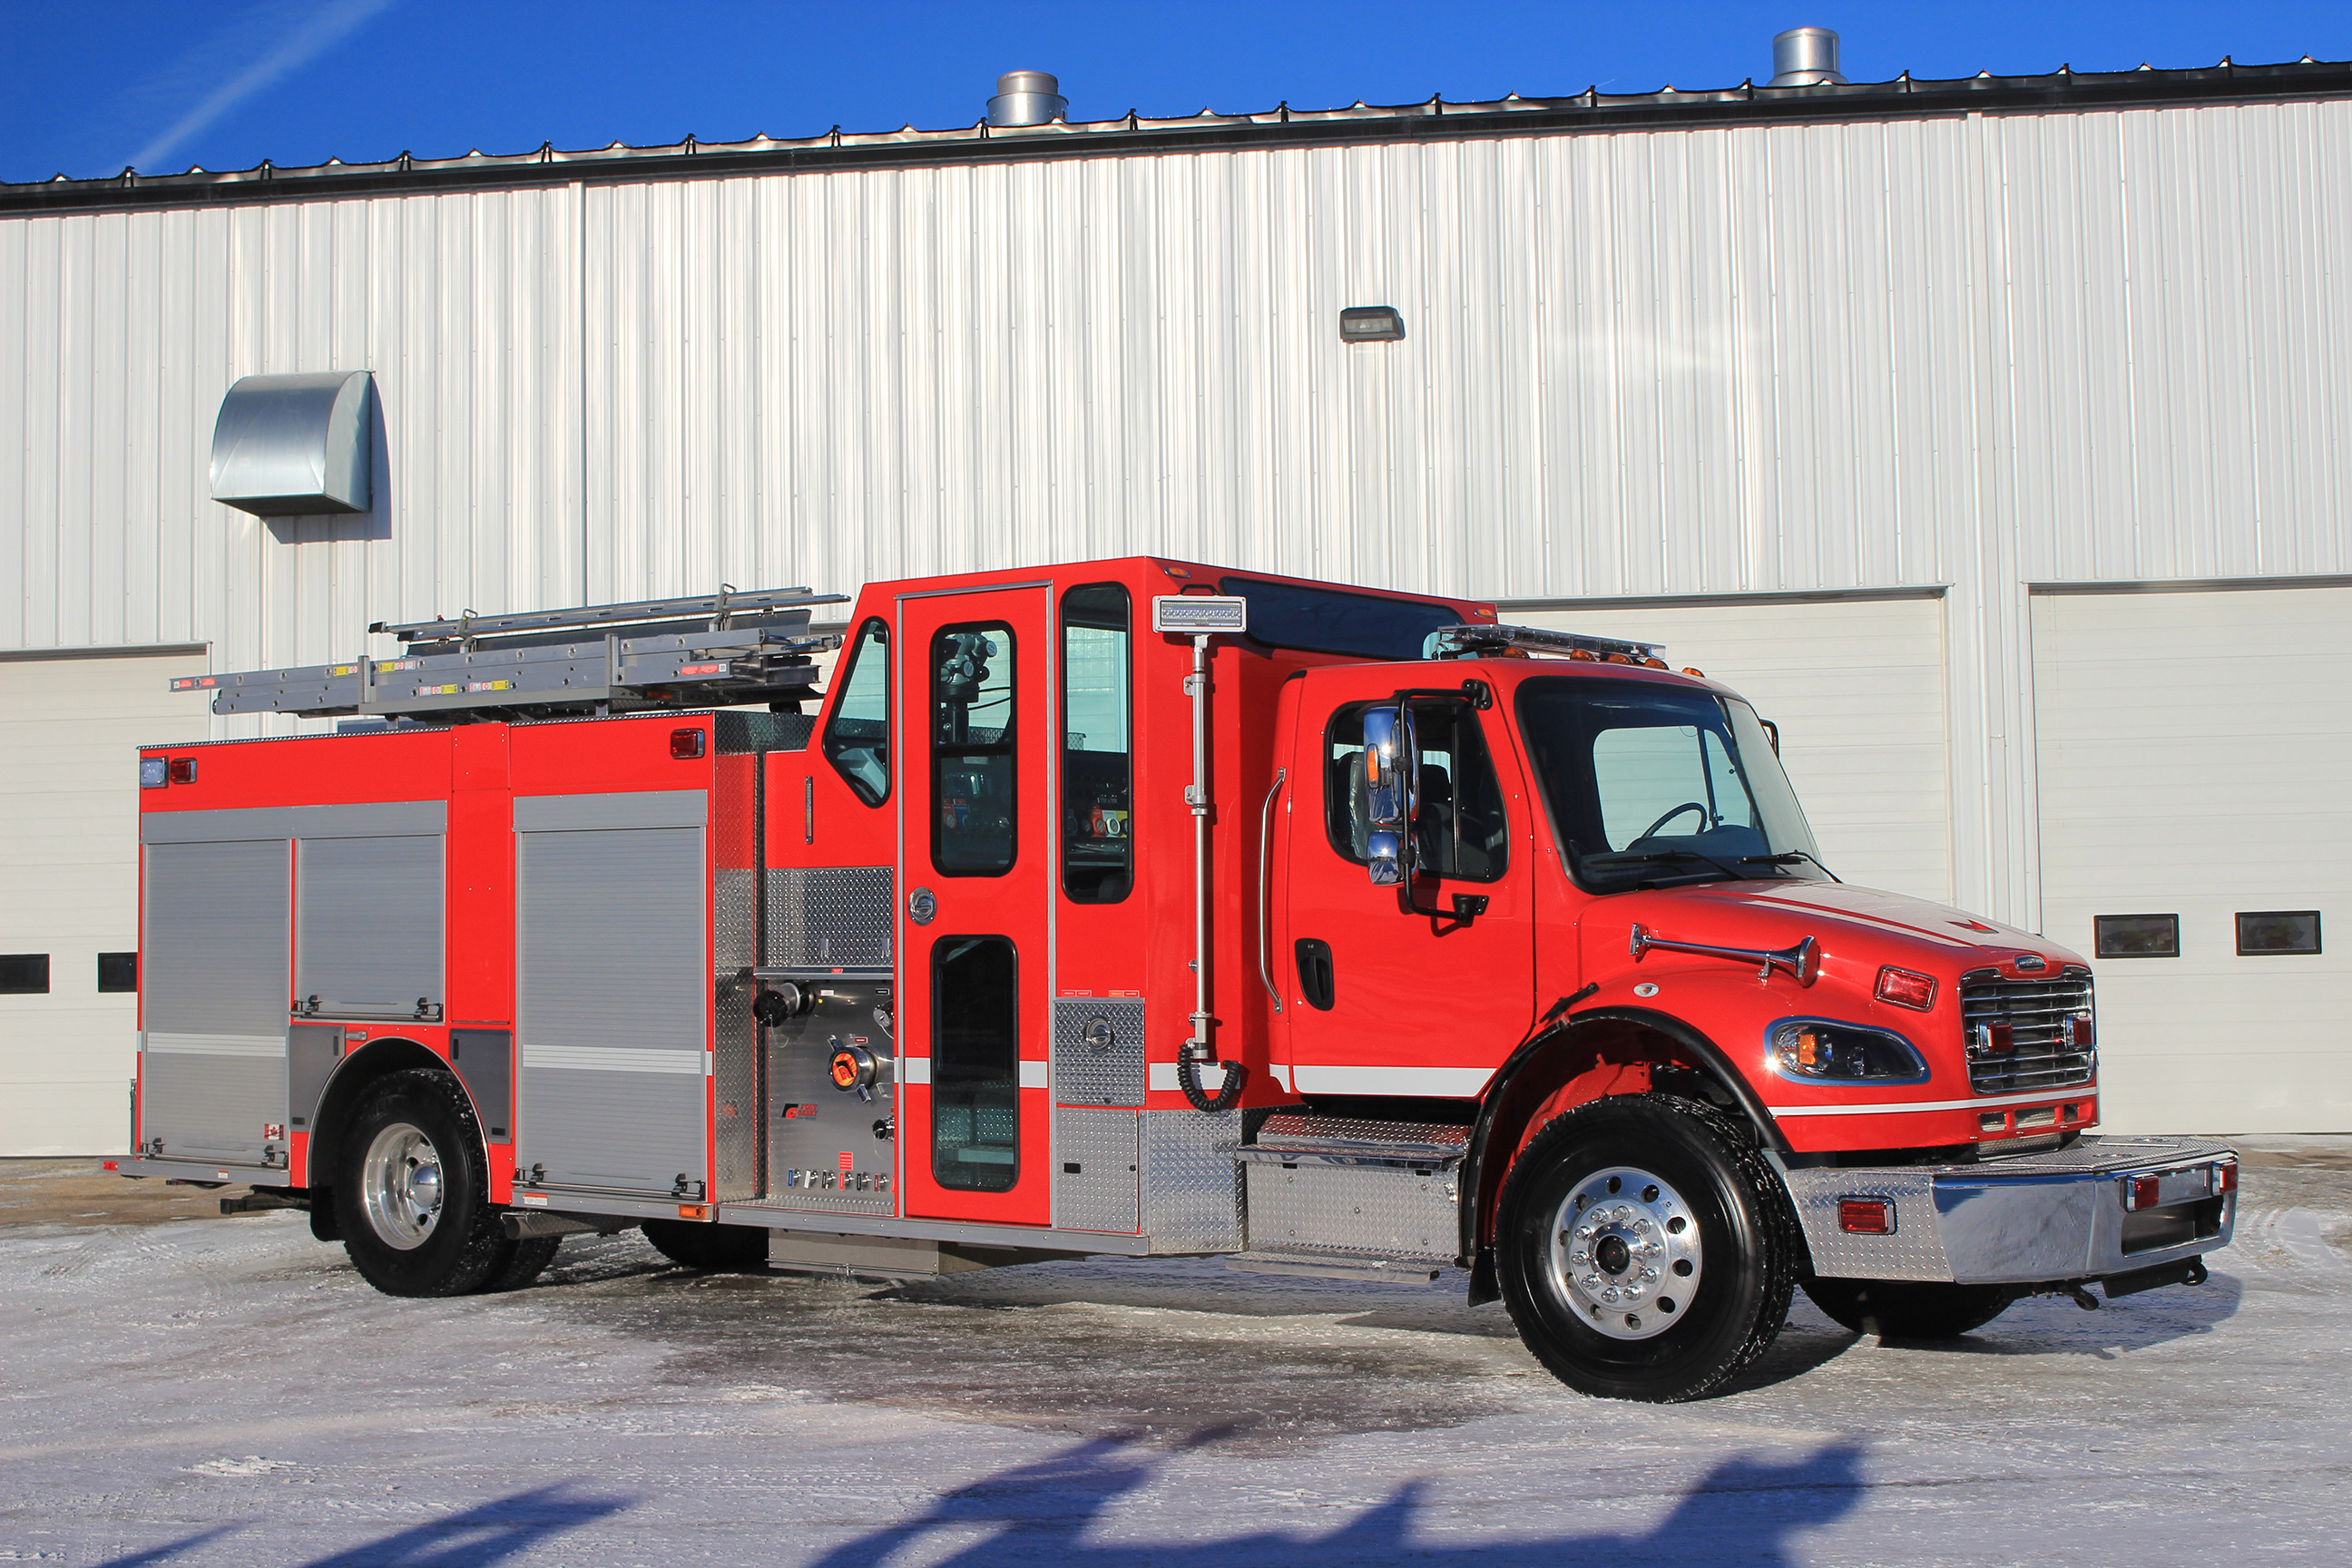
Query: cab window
(1098, 746)
(1459, 829)
(972, 773)
(858, 736)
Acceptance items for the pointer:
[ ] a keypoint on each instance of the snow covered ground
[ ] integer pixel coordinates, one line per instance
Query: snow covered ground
(228, 1392)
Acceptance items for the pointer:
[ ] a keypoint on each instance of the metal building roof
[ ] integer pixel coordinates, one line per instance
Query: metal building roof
(1905, 97)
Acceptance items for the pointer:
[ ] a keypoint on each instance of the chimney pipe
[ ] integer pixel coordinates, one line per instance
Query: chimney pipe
(1027, 98)
(1805, 57)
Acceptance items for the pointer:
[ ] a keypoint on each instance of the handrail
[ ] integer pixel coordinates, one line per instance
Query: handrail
(1264, 904)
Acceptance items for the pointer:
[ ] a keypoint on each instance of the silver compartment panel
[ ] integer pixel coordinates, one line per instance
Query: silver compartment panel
(806, 1149)
(1095, 1182)
(1084, 1075)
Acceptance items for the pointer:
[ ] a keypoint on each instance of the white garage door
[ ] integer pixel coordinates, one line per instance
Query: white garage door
(2194, 749)
(70, 733)
(1857, 688)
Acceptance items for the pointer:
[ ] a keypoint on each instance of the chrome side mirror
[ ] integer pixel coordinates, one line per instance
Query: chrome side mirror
(1391, 776)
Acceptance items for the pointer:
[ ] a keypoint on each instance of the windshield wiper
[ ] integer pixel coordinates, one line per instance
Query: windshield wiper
(1651, 857)
(1790, 857)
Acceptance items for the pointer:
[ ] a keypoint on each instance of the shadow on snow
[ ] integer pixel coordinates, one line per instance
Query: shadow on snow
(1743, 1510)
(477, 1537)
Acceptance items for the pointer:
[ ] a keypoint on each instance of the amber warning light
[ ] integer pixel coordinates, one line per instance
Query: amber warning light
(1199, 615)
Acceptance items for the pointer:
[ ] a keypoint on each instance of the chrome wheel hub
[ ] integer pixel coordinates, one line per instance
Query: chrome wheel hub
(401, 1186)
(1625, 1253)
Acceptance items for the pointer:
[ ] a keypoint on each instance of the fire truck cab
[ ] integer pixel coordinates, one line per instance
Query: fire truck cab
(1128, 907)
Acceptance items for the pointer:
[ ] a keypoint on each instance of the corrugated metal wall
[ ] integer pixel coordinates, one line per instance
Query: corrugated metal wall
(1978, 351)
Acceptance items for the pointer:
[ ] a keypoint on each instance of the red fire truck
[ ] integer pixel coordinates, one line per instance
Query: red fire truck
(1132, 907)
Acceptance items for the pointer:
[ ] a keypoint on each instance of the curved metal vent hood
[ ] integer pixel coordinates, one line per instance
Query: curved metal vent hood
(295, 446)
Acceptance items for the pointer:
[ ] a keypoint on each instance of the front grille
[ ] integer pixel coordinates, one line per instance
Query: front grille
(2040, 1017)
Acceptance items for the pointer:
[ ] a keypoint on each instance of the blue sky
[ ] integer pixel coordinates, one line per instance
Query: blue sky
(92, 86)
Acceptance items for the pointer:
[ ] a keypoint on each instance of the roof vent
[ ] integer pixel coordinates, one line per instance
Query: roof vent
(1035, 98)
(1805, 57)
(295, 446)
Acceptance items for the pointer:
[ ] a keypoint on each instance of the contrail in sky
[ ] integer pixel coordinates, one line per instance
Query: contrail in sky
(328, 25)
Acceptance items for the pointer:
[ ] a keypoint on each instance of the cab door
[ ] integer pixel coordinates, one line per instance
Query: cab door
(1420, 990)
(975, 670)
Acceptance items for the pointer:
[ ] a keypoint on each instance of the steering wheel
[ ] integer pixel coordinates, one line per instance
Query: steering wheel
(1652, 831)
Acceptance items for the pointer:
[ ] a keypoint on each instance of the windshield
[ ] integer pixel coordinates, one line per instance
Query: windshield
(1649, 783)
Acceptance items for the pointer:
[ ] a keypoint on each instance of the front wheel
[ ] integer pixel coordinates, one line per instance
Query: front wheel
(1909, 1310)
(412, 1193)
(1644, 1248)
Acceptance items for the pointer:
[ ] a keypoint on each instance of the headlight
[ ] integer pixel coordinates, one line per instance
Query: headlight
(1815, 1050)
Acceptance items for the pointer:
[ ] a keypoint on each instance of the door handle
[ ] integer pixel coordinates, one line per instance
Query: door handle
(1315, 978)
(1264, 904)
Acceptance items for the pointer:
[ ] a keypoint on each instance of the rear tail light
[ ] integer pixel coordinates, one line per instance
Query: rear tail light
(1866, 1217)
(1906, 988)
(686, 744)
(2225, 1178)
(2140, 1192)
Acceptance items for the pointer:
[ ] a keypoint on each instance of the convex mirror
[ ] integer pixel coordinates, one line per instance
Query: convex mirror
(1391, 776)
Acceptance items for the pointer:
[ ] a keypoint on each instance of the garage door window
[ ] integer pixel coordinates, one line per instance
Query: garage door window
(2136, 936)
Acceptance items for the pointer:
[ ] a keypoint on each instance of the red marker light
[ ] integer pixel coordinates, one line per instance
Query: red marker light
(686, 744)
(1866, 1217)
(1906, 988)
(2140, 1192)
(2225, 1178)
(182, 770)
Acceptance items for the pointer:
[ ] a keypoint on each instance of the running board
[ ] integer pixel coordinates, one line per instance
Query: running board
(1329, 1266)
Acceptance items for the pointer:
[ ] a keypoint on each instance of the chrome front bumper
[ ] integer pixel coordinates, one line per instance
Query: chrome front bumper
(2028, 1219)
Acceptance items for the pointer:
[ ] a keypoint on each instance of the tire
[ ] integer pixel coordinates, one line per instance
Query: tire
(1908, 1310)
(1682, 1193)
(716, 1247)
(412, 1190)
(524, 1263)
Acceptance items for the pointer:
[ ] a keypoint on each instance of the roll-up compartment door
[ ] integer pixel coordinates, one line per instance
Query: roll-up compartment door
(212, 1069)
(369, 933)
(613, 993)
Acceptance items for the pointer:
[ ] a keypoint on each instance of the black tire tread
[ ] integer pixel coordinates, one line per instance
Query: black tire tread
(1778, 1233)
(522, 1263)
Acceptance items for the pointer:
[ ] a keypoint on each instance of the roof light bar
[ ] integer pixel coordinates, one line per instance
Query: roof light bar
(1537, 642)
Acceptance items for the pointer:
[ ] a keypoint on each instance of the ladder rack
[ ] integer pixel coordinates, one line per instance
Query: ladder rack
(712, 650)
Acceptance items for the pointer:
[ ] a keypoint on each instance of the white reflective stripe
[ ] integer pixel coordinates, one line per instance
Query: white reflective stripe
(1162, 1075)
(1032, 1075)
(1443, 1083)
(612, 1059)
(160, 1043)
(1988, 1102)
(914, 1069)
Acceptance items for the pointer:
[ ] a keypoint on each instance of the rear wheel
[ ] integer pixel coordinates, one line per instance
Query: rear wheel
(524, 1264)
(1643, 1248)
(711, 1247)
(412, 1196)
(1907, 1308)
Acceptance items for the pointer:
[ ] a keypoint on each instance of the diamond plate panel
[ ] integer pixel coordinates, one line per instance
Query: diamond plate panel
(831, 917)
(1191, 1182)
(823, 1151)
(1095, 1183)
(737, 1070)
(1916, 1250)
(1386, 1210)
(1097, 1072)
